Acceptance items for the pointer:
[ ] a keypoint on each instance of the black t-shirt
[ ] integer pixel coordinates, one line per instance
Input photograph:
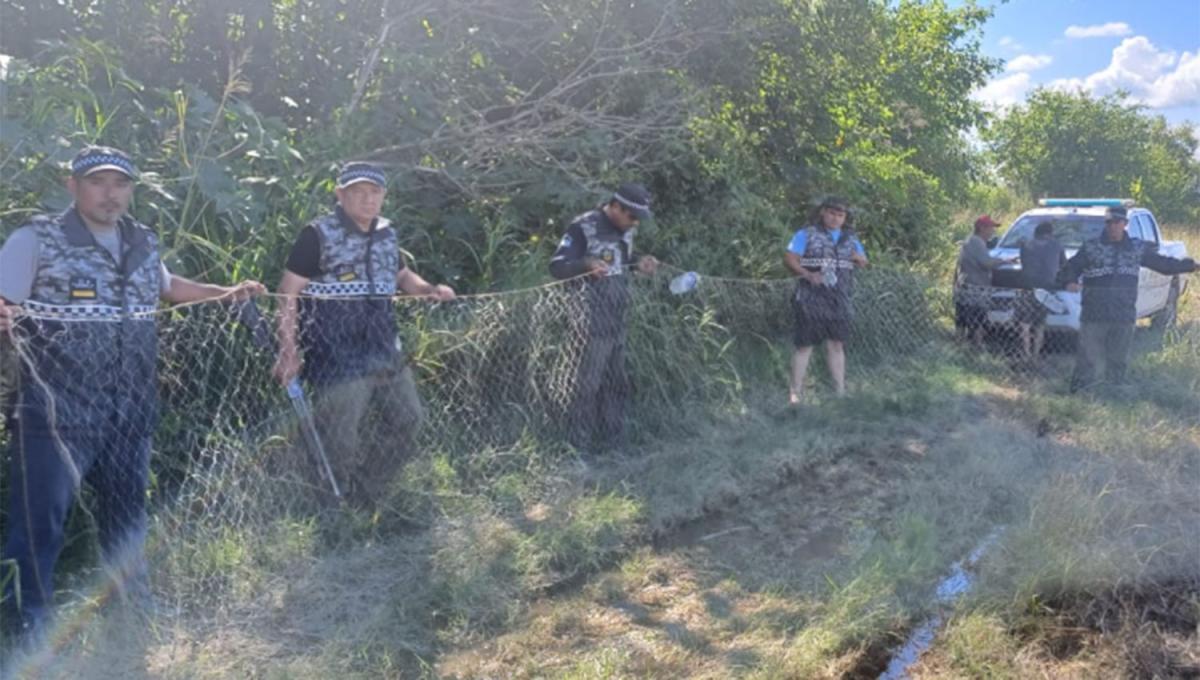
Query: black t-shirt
(305, 258)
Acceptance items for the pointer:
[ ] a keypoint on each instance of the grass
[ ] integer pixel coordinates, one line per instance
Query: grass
(1101, 578)
(744, 539)
(1096, 492)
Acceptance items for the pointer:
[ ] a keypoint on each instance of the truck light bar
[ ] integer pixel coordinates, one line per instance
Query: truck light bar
(1084, 202)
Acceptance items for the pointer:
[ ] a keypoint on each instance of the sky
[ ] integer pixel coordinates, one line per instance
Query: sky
(1149, 48)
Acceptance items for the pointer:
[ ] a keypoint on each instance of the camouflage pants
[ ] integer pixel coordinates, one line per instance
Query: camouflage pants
(602, 388)
(1102, 347)
(369, 427)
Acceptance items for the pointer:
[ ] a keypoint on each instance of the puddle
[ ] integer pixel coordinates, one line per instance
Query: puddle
(956, 584)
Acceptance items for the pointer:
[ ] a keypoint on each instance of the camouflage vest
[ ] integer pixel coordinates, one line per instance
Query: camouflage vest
(611, 246)
(348, 325)
(90, 328)
(1110, 279)
(1106, 258)
(833, 299)
(607, 299)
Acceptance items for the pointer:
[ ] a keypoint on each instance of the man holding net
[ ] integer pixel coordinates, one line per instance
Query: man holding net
(341, 275)
(78, 293)
(1106, 269)
(599, 245)
(823, 256)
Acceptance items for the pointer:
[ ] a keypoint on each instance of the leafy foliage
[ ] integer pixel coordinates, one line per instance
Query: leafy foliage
(1069, 144)
(499, 123)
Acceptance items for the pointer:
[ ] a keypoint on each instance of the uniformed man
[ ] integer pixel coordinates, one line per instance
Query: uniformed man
(1107, 269)
(77, 294)
(599, 244)
(342, 273)
(823, 256)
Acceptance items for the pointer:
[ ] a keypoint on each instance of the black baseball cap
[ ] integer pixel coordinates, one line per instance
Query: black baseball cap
(1116, 212)
(636, 198)
(357, 171)
(92, 159)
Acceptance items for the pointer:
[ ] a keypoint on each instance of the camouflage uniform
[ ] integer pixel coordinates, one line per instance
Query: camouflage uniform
(85, 407)
(368, 409)
(1109, 271)
(602, 387)
(347, 324)
(825, 311)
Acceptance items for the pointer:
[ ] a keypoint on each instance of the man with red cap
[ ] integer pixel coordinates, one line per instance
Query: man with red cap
(972, 289)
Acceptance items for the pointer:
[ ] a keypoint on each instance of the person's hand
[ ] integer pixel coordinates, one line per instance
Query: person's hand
(246, 290)
(597, 269)
(815, 278)
(647, 264)
(287, 367)
(1074, 287)
(7, 314)
(858, 259)
(442, 293)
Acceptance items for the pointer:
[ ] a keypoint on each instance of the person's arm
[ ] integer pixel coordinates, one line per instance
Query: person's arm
(1068, 276)
(412, 284)
(792, 262)
(18, 266)
(287, 364)
(570, 259)
(791, 258)
(7, 314)
(1152, 259)
(646, 264)
(303, 265)
(977, 252)
(859, 256)
(182, 290)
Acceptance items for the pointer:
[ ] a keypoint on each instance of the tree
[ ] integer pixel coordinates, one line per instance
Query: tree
(1072, 144)
(499, 119)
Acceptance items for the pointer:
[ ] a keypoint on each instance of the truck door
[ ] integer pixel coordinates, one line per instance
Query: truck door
(1152, 286)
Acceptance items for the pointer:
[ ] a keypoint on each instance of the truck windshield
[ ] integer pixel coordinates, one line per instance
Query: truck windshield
(1070, 230)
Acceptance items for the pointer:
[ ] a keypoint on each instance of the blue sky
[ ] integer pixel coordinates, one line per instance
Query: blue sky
(1150, 48)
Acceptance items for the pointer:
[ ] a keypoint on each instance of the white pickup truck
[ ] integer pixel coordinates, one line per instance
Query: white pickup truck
(1075, 221)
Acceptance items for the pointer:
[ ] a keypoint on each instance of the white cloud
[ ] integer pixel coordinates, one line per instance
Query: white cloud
(1180, 87)
(1007, 42)
(1028, 62)
(1157, 78)
(1110, 30)
(1004, 91)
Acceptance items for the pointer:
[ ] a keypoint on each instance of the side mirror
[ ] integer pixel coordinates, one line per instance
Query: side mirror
(993, 241)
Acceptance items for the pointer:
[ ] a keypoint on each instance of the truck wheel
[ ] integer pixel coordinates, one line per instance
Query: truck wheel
(1165, 318)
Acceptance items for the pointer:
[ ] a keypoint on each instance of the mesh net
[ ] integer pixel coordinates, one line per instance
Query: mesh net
(486, 386)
